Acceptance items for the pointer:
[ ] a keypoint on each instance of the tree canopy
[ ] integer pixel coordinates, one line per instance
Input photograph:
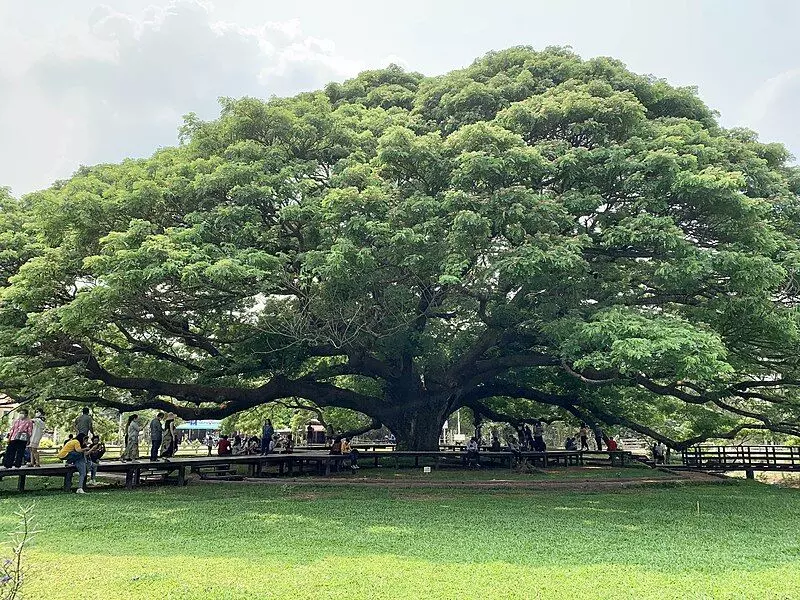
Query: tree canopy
(534, 235)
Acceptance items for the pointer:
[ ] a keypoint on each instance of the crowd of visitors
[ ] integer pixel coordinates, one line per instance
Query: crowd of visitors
(85, 449)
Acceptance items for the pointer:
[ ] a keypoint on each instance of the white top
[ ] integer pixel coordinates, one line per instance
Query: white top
(38, 431)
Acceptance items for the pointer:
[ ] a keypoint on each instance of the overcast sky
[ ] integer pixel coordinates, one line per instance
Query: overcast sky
(82, 82)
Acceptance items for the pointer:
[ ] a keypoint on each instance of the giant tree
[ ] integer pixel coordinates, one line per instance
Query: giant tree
(534, 235)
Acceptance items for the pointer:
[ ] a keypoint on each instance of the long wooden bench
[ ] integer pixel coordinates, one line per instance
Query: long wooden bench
(134, 471)
(544, 459)
(617, 458)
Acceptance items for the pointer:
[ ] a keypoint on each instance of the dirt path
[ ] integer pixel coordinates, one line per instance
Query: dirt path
(572, 483)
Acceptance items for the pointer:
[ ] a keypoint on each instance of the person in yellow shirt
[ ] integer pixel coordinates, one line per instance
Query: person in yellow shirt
(74, 453)
(348, 449)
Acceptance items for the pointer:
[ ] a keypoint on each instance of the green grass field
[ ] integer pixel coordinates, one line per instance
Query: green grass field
(232, 541)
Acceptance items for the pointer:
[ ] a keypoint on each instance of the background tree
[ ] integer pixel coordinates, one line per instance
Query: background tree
(534, 235)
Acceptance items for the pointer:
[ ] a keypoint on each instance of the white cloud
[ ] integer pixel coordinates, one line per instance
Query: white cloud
(117, 84)
(772, 110)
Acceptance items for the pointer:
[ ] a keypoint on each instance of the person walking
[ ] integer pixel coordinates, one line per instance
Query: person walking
(84, 423)
(36, 437)
(73, 453)
(18, 438)
(266, 436)
(156, 434)
(132, 439)
(168, 444)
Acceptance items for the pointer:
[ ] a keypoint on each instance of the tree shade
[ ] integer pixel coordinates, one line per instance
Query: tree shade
(536, 235)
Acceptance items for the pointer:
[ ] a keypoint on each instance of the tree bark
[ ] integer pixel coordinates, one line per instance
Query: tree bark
(416, 422)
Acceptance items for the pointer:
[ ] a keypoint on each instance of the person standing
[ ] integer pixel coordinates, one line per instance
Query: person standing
(266, 436)
(84, 423)
(73, 453)
(584, 433)
(132, 439)
(538, 436)
(18, 438)
(598, 436)
(96, 451)
(156, 434)
(36, 437)
(528, 439)
(662, 451)
(168, 445)
(309, 435)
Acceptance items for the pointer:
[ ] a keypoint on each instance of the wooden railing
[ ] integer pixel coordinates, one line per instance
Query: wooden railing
(743, 458)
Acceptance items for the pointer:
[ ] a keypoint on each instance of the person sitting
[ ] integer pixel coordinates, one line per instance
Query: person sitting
(288, 445)
(348, 449)
(495, 445)
(336, 446)
(570, 443)
(238, 447)
(611, 445)
(473, 453)
(96, 451)
(224, 446)
(73, 453)
(253, 445)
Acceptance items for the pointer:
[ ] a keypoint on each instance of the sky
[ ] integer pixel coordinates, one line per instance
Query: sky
(83, 82)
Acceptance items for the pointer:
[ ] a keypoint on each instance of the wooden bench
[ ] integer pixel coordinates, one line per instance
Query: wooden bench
(617, 458)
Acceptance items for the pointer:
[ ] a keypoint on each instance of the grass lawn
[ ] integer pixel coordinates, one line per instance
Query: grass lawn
(233, 541)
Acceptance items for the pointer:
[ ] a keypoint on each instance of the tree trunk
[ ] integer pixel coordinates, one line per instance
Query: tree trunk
(416, 423)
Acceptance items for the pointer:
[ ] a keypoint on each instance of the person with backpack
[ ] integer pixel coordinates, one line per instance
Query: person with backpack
(18, 438)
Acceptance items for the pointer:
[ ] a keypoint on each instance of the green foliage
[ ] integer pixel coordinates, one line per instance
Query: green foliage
(548, 205)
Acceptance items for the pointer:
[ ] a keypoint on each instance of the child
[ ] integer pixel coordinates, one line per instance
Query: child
(96, 452)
